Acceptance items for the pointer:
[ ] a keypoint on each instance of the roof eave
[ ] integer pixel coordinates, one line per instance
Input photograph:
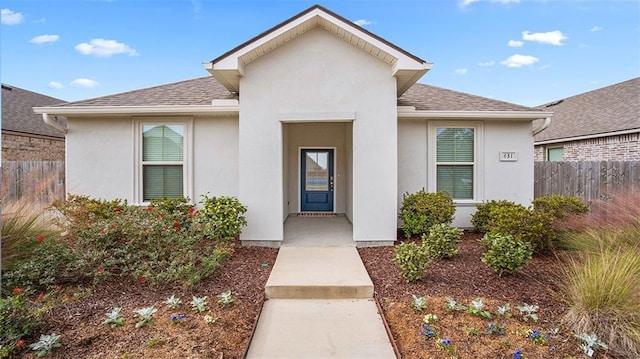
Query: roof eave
(408, 112)
(587, 137)
(138, 110)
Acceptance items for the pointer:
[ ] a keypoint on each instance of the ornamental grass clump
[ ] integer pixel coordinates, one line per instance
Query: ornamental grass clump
(422, 209)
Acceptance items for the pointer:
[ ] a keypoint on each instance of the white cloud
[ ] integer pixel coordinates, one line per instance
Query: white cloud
(596, 28)
(462, 71)
(552, 37)
(55, 85)
(82, 82)
(105, 48)
(43, 39)
(515, 43)
(465, 3)
(518, 60)
(487, 63)
(10, 17)
(363, 22)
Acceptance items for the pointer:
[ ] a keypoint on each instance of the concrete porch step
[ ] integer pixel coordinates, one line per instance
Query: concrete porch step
(320, 328)
(318, 273)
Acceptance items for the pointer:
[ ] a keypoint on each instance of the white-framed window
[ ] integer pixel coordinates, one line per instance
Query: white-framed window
(163, 158)
(455, 159)
(555, 153)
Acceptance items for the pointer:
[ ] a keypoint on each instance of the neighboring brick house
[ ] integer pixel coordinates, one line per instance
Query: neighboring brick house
(25, 137)
(600, 125)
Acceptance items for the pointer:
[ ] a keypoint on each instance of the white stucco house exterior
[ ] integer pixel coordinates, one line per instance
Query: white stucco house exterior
(315, 114)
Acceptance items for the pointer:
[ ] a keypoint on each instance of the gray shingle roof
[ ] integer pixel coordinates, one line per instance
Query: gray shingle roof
(202, 90)
(608, 109)
(198, 91)
(426, 97)
(18, 115)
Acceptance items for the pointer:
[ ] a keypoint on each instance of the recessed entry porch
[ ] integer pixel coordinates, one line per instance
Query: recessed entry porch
(317, 181)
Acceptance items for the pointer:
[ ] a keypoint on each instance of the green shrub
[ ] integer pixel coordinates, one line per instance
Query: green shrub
(412, 260)
(442, 241)
(505, 253)
(559, 206)
(421, 210)
(602, 290)
(535, 227)
(19, 320)
(222, 217)
(482, 216)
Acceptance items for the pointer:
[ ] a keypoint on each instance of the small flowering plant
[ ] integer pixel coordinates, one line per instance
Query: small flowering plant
(428, 331)
(430, 318)
(536, 336)
(477, 308)
(496, 328)
(518, 354)
(504, 310)
(176, 318)
(445, 344)
(146, 316)
(528, 312)
(199, 304)
(113, 318)
(173, 302)
(46, 344)
(590, 343)
(452, 305)
(419, 303)
(226, 298)
(209, 319)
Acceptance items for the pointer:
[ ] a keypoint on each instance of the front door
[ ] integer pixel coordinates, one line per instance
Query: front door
(316, 180)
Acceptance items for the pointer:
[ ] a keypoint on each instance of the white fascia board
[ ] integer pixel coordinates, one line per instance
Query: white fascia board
(488, 115)
(587, 137)
(137, 110)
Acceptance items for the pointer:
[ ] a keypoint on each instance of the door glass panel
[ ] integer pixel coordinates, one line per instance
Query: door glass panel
(317, 171)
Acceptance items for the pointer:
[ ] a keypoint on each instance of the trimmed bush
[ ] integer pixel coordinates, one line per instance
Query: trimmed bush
(505, 253)
(482, 216)
(535, 227)
(422, 209)
(222, 217)
(412, 260)
(559, 206)
(442, 241)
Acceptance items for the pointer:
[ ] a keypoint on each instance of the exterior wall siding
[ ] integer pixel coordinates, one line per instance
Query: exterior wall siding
(612, 148)
(31, 148)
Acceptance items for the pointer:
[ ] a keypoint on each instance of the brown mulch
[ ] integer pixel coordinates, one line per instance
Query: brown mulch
(463, 277)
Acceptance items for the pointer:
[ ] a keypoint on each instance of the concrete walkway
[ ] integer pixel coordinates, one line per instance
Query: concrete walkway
(320, 305)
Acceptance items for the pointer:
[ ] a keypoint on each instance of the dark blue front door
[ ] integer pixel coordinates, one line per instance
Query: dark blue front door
(316, 180)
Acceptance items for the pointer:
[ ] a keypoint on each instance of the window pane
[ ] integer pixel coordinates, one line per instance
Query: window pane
(457, 180)
(317, 171)
(161, 182)
(162, 142)
(555, 154)
(454, 144)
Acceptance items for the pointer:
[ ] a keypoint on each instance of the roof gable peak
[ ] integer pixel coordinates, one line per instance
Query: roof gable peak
(229, 67)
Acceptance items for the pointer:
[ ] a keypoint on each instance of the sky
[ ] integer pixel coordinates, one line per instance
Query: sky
(527, 52)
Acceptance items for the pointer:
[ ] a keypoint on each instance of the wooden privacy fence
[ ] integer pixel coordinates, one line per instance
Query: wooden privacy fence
(40, 182)
(589, 180)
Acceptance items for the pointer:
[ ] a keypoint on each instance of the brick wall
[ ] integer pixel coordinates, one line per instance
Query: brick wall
(613, 148)
(24, 148)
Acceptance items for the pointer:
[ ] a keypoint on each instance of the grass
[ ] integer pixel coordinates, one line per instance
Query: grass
(22, 224)
(602, 280)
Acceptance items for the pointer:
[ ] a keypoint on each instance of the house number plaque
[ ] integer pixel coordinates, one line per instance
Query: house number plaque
(508, 156)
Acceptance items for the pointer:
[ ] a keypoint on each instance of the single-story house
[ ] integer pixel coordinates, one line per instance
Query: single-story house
(599, 125)
(24, 136)
(315, 114)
